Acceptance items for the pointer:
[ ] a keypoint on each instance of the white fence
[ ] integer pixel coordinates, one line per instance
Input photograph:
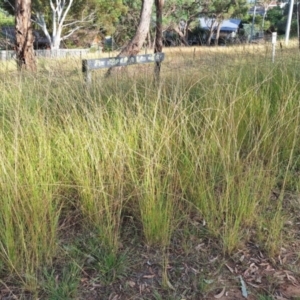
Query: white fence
(10, 54)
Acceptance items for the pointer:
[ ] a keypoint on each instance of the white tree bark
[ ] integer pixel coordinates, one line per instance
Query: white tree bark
(211, 23)
(60, 10)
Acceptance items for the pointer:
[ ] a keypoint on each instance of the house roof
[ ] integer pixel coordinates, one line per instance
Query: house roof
(226, 25)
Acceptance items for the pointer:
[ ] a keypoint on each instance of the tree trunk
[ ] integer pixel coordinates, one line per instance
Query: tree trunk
(135, 45)
(211, 32)
(218, 33)
(210, 35)
(24, 36)
(149, 40)
(159, 34)
(181, 36)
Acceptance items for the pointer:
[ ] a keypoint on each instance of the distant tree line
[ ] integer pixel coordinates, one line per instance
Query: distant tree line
(130, 22)
(73, 22)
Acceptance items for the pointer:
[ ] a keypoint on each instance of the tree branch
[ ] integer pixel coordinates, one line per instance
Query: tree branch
(40, 21)
(70, 33)
(87, 19)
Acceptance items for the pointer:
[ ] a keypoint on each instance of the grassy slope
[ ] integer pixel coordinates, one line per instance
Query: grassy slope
(159, 189)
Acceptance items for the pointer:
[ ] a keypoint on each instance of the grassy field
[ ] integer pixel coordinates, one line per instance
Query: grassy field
(186, 188)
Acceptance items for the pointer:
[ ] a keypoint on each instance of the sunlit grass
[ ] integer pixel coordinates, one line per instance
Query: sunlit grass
(216, 138)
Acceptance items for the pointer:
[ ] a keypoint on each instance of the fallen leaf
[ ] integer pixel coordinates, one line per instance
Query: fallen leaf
(199, 247)
(279, 276)
(218, 296)
(142, 287)
(280, 260)
(229, 268)
(213, 259)
(258, 279)
(251, 270)
(113, 297)
(131, 283)
(169, 284)
(254, 285)
(269, 268)
(243, 287)
(208, 281)
(291, 278)
(148, 276)
(194, 270)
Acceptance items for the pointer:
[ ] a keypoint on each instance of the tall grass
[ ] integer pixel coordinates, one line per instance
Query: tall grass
(218, 139)
(29, 199)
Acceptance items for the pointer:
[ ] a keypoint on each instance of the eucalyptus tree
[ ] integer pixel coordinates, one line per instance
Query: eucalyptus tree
(59, 11)
(218, 10)
(180, 14)
(159, 4)
(136, 43)
(128, 21)
(68, 16)
(266, 5)
(59, 19)
(24, 36)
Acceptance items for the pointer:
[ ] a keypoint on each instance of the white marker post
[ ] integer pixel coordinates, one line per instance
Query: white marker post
(274, 38)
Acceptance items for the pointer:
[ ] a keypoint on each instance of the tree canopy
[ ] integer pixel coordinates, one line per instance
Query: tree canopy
(120, 18)
(106, 13)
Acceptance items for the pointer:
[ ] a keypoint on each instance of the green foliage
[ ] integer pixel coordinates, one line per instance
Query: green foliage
(184, 9)
(62, 284)
(265, 297)
(7, 7)
(109, 265)
(128, 21)
(274, 15)
(28, 239)
(6, 19)
(276, 19)
(177, 10)
(180, 16)
(107, 12)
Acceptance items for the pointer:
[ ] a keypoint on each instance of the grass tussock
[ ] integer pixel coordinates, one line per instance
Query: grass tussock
(215, 140)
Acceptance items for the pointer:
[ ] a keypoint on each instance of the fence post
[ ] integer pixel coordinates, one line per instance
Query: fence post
(86, 72)
(274, 37)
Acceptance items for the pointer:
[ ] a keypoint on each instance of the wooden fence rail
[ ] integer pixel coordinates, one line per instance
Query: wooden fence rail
(89, 65)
